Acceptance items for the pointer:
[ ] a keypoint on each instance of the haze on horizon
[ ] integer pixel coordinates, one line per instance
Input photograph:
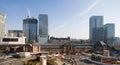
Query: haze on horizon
(66, 17)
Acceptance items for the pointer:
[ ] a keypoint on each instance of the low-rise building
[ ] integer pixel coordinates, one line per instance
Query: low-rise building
(100, 46)
(12, 40)
(69, 47)
(59, 40)
(15, 33)
(76, 47)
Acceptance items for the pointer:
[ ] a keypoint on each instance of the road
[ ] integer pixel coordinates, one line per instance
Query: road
(14, 61)
(79, 60)
(71, 60)
(60, 62)
(11, 60)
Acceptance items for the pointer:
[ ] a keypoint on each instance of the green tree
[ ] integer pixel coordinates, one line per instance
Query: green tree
(93, 57)
(98, 58)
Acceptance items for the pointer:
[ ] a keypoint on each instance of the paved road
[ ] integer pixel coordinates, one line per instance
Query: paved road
(60, 62)
(79, 60)
(11, 60)
(14, 61)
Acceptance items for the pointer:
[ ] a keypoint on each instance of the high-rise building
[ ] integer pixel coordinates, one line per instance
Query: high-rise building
(43, 28)
(2, 25)
(98, 34)
(30, 29)
(109, 33)
(96, 24)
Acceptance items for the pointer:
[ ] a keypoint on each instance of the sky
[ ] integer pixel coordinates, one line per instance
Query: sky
(65, 17)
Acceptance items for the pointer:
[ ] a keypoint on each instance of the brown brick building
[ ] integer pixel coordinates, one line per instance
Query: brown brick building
(72, 47)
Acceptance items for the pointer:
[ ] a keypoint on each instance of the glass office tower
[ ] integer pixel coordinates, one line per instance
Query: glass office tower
(95, 24)
(30, 29)
(43, 28)
(109, 33)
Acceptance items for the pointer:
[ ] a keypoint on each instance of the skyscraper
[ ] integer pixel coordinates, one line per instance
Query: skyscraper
(30, 29)
(43, 28)
(98, 34)
(96, 24)
(2, 25)
(109, 33)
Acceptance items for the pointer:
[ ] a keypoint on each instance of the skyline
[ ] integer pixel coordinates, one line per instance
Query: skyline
(65, 17)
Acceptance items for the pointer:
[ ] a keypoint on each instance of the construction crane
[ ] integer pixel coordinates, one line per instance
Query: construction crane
(28, 12)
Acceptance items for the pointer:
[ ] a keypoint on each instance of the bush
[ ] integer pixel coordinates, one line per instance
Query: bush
(90, 51)
(51, 61)
(98, 58)
(31, 62)
(92, 57)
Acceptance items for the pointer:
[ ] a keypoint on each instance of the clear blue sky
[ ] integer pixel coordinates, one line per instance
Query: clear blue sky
(66, 17)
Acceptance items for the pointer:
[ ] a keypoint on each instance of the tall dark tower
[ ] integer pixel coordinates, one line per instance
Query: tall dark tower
(30, 29)
(43, 28)
(109, 33)
(96, 31)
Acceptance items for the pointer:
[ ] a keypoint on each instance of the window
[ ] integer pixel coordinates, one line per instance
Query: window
(10, 39)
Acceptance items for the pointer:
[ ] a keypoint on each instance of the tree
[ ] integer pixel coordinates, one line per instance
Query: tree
(92, 57)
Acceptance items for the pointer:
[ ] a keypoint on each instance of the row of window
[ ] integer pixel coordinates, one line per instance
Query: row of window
(10, 39)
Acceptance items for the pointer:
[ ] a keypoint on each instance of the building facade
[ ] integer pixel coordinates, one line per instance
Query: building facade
(43, 28)
(98, 34)
(12, 41)
(95, 23)
(2, 25)
(15, 33)
(109, 33)
(30, 29)
(59, 40)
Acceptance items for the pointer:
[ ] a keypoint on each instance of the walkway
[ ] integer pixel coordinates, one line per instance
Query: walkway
(60, 62)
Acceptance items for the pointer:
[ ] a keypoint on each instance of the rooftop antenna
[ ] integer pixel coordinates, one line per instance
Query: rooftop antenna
(28, 12)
